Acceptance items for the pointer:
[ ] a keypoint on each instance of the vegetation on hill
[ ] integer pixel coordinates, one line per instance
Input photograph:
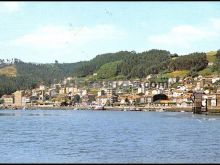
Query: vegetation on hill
(15, 74)
(109, 70)
(211, 56)
(89, 67)
(142, 64)
(216, 66)
(9, 71)
(180, 73)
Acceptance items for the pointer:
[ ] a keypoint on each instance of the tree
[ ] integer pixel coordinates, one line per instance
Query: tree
(127, 101)
(1, 101)
(108, 103)
(76, 98)
(47, 97)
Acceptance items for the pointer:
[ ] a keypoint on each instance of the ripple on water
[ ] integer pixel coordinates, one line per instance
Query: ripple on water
(109, 137)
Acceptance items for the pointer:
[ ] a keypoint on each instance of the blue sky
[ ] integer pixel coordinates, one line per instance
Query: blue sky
(43, 32)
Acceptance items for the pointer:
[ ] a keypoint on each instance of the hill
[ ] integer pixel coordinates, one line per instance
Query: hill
(110, 66)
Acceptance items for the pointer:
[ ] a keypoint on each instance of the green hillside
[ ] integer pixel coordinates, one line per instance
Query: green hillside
(180, 73)
(210, 70)
(211, 56)
(109, 70)
(110, 66)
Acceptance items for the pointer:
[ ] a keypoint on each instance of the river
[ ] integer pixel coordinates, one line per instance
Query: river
(89, 136)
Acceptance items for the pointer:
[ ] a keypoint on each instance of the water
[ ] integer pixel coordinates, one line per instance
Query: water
(64, 136)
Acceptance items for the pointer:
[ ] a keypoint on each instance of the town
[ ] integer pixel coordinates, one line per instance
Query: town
(174, 94)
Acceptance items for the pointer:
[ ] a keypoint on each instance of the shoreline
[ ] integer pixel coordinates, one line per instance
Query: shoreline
(134, 109)
(115, 108)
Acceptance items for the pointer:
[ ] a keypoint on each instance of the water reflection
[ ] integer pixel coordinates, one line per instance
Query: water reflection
(20, 113)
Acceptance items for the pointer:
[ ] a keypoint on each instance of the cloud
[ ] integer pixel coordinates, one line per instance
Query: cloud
(64, 43)
(215, 23)
(185, 36)
(61, 36)
(11, 6)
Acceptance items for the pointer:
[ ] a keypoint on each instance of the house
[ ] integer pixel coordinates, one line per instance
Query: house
(172, 80)
(114, 99)
(42, 87)
(101, 93)
(8, 100)
(125, 99)
(155, 92)
(210, 100)
(102, 100)
(68, 80)
(25, 100)
(177, 93)
(52, 92)
(215, 79)
(114, 84)
(141, 88)
(142, 100)
(62, 90)
(110, 91)
(210, 63)
(18, 98)
(149, 99)
(119, 83)
(126, 83)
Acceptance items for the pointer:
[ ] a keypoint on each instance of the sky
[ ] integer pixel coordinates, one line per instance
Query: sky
(43, 32)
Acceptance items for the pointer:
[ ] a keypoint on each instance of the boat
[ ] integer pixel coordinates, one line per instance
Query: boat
(160, 110)
(99, 107)
(137, 109)
(125, 109)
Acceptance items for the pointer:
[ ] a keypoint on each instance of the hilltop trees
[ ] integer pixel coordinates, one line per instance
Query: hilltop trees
(193, 61)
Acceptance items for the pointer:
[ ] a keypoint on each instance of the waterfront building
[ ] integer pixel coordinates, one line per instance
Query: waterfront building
(141, 88)
(111, 91)
(149, 99)
(8, 100)
(218, 99)
(113, 99)
(41, 95)
(18, 98)
(25, 100)
(102, 100)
